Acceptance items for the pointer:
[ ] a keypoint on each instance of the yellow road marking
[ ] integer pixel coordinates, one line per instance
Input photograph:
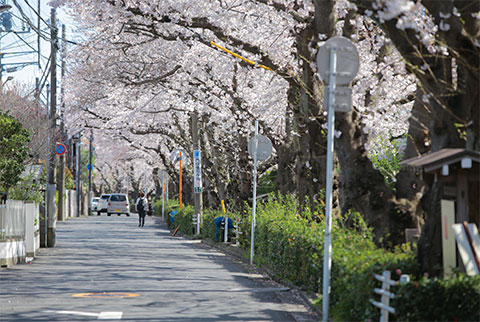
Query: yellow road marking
(106, 295)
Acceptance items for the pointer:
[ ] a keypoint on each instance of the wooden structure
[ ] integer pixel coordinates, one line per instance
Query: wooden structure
(457, 170)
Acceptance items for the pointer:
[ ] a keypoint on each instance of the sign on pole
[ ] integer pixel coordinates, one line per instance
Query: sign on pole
(178, 155)
(264, 147)
(337, 63)
(259, 148)
(197, 171)
(60, 149)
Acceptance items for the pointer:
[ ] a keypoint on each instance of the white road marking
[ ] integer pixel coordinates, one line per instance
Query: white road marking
(100, 316)
(110, 316)
(74, 313)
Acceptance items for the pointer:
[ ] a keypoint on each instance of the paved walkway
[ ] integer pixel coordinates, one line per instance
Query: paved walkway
(108, 268)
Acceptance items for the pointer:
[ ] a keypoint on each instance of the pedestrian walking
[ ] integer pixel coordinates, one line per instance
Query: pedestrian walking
(142, 207)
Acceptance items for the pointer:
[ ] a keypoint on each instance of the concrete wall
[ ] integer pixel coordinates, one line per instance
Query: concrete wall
(32, 229)
(20, 227)
(12, 252)
(70, 204)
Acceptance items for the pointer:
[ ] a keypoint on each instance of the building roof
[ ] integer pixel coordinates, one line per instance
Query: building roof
(435, 160)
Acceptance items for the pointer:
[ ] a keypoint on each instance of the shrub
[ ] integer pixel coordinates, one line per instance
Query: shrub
(291, 246)
(14, 150)
(454, 298)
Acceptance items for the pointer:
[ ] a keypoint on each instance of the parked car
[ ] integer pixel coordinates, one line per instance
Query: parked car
(94, 203)
(118, 204)
(102, 203)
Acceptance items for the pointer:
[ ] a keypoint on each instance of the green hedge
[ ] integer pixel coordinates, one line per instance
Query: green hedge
(455, 298)
(292, 247)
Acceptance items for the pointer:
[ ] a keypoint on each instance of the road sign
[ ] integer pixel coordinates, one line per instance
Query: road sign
(60, 149)
(264, 148)
(343, 99)
(197, 171)
(175, 156)
(163, 175)
(337, 63)
(347, 60)
(89, 166)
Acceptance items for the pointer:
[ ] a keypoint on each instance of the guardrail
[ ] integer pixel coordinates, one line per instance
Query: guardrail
(384, 304)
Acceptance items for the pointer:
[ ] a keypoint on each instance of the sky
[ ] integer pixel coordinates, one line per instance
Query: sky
(20, 44)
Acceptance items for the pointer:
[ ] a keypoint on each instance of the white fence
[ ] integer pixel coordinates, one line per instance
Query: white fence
(384, 304)
(19, 231)
(12, 220)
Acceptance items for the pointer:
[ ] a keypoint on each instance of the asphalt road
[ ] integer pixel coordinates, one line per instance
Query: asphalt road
(109, 268)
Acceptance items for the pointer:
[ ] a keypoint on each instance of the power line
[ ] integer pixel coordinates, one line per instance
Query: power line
(38, 14)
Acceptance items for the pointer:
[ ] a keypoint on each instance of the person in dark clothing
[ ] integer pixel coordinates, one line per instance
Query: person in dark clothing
(142, 207)
(220, 222)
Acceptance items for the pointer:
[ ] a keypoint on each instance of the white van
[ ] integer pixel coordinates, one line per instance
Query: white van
(118, 204)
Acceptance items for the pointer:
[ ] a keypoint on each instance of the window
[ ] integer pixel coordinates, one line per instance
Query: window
(118, 198)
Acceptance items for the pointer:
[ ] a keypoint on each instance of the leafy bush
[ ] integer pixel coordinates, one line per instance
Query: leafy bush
(27, 190)
(292, 247)
(14, 150)
(168, 207)
(455, 298)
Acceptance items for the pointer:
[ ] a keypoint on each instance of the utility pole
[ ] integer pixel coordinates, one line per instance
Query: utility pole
(47, 158)
(90, 167)
(197, 180)
(38, 35)
(61, 170)
(52, 213)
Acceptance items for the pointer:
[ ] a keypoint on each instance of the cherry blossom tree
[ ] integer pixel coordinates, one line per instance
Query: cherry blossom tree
(20, 101)
(147, 65)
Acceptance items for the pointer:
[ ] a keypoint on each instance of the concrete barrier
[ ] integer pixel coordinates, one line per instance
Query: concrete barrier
(32, 229)
(19, 232)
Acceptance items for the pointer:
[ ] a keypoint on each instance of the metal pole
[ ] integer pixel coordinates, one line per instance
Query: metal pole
(163, 200)
(327, 261)
(254, 202)
(180, 193)
(61, 170)
(90, 167)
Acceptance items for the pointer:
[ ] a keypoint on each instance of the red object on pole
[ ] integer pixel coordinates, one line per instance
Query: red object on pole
(180, 197)
(470, 242)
